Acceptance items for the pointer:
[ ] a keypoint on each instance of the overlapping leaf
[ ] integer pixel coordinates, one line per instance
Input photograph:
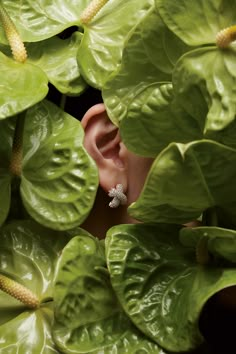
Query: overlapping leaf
(59, 179)
(104, 38)
(220, 242)
(187, 179)
(22, 86)
(88, 318)
(159, 284)
(205, 77)
(37, 20)
(147, 61)
(57, 58)
(28, 254)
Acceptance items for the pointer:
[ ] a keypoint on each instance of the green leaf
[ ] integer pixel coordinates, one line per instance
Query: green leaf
(141, 68)
(28, 254)
(187, 179)
(23, 86)
(154, 120)
(57, 58)
(104, 38)
(59, 179)
(220, 242)
(159, 284)
(7, 128)
(204, 81)
(197, 22)
(88, 318)
(41, 19)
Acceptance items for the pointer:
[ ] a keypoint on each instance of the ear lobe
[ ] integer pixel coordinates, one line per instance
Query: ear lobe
(102, 141)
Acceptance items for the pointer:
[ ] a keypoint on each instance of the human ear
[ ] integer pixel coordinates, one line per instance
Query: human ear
(103, 143)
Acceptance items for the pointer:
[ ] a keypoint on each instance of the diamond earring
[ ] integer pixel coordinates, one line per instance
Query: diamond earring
(118, 196)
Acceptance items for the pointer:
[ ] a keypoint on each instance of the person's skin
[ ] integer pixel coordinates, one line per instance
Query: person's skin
(116, 165)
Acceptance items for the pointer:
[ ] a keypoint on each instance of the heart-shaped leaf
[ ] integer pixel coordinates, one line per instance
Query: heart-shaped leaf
(187, 179)
(41, 19)
(159, 283)
(197, 22)
(59, 179)
(104, 38)
(28, 255)
(88, 318)
(23, 85)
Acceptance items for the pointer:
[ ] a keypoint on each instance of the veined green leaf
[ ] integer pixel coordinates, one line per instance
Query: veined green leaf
(29, 255)
(159, 283)
(147, 62)
(57, 58)
(205, 79)
(22, 86)
(187, 179)
(88, 318)
(104, 38)
(197, 22)
(37, 20)
(59, 179)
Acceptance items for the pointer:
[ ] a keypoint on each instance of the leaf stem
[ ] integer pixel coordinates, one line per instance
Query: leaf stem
(63, 101)
(17, 151)
(226, 36)
(92, 10)
(19, 292)
(13, 37)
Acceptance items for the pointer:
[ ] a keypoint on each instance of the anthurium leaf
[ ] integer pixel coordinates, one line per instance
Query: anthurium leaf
(207, 77)
(24, 85)
(104, 38)
(88, 318)
(7, 128)
(208, 17)
(57, 58)
(147, 62)
(187, 179)
(59, 179)
(219, 241)
(36, 20)
(154, 120)
(28, 255)
(159, 284)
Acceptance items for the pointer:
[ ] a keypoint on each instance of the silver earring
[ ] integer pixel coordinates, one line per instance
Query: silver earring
(118, 196)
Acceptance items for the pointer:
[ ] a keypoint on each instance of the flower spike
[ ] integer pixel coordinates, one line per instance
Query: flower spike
(13, 37)
(226, 36)
(91, 10)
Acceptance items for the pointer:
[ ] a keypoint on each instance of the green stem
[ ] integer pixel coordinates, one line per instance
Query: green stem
(63, 101)
(17, 149)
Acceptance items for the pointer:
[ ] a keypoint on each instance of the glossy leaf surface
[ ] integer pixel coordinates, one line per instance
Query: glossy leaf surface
(197, 22)
(187, 179)
(23, 85)
(88, 318)
(205, 79)
(146, 62)
(28, 254)
(57, 58)
(36, 20)
(104, 38)
(159, 284)
(59, 179)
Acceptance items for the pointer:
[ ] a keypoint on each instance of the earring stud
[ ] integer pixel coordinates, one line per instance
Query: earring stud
(119, 198)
